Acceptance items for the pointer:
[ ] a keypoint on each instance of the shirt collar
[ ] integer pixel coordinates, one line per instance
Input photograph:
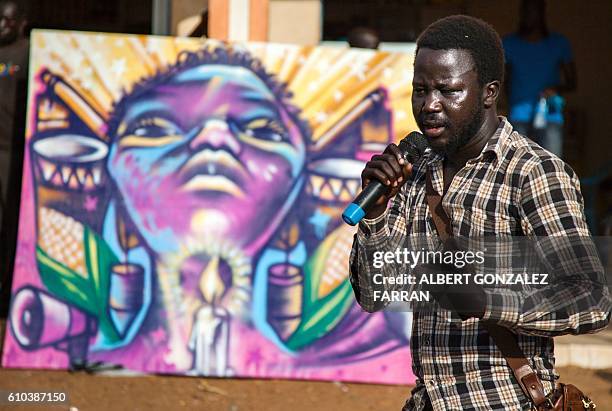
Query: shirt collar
(497, 144)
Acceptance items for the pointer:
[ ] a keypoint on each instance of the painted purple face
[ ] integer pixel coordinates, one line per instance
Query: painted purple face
(211, 152)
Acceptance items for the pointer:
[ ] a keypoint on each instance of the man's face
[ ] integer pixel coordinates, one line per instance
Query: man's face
(531, 15)
(446, 98)
(9, 23)
(209, 154)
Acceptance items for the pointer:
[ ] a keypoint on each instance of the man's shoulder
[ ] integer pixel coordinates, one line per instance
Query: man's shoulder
(524, 157)
(510, 37)
(512, 43)
(557, 37)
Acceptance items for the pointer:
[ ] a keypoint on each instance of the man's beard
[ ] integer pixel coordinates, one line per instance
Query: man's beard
(464, 134)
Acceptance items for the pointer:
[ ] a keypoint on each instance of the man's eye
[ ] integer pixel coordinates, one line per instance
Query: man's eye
(419, 91)
(448, 91)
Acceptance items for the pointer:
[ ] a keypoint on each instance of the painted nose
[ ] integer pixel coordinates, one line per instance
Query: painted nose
(217, 134)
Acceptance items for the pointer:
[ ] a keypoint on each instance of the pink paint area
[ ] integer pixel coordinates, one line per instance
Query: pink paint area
(361, 348)
(154, 198)
(26, 274)
(252, 355)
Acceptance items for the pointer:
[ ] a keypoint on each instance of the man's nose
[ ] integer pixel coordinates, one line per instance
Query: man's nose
(432, 102)
(215, 133)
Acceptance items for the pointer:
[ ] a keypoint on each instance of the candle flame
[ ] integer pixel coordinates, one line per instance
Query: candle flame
(211, 285)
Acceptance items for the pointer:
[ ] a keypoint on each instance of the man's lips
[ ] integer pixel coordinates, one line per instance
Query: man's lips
(433, 130)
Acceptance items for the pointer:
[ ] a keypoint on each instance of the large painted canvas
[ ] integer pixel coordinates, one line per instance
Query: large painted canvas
(181, 208)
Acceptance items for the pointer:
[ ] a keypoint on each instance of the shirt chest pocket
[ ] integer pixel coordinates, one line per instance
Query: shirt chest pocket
(487, 223)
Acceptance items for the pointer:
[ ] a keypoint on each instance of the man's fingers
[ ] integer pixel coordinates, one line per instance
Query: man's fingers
(369, 174)
(385, 167)
(396, 152)
(407, 170)
(391, 160)
(389, 168)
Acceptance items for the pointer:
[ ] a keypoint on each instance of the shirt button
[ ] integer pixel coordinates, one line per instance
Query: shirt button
(431, 382)
(425, 340)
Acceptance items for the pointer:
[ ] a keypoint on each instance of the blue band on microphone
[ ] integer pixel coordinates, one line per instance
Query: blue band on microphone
(353, 214)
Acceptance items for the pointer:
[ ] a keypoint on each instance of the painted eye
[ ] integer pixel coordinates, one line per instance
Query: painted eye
(264, 129)
(154, 128)
(266, 133)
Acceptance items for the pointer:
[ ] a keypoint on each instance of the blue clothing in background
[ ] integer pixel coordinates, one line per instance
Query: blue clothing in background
(534, 67)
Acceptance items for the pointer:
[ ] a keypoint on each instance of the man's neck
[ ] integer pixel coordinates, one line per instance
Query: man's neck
(533, 36)
(476, 144)
(11, 43)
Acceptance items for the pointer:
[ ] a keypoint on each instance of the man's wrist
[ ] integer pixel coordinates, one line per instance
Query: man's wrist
(369, 227)
(376, 212)
(469, 304)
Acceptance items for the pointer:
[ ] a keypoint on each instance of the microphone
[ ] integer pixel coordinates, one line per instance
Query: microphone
(412, 147)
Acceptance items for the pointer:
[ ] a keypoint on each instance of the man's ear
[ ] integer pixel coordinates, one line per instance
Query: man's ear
(490, 93)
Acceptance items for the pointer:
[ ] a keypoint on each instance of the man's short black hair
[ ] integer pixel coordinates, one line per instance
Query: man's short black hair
(471, 34)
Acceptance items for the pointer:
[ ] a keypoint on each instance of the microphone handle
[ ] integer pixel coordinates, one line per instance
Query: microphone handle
(364, 202)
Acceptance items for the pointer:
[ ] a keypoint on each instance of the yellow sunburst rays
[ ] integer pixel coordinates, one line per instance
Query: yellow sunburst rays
(330, 84)
(397, 78)
(357, 78)
(101, 67)
(64, 57)
(117, 59)
(53, 51)
(162, 50)
(292, 62)
(191, 44)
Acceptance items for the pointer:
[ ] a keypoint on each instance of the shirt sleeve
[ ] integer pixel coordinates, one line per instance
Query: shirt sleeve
(374, 237)
(576, 299)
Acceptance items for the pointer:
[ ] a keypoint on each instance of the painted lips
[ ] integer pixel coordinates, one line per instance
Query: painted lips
(213, 171)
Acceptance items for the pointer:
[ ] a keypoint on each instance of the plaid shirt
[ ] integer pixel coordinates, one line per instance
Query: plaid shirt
(514, 186)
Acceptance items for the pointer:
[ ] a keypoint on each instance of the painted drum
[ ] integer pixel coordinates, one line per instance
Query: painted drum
(335, 180)
(71, 162)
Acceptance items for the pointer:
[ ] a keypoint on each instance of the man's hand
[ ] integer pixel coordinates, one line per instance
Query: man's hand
(467, 300)
(392, 170)
(549, 92)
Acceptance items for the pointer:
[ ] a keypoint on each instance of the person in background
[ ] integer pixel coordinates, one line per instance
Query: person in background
(363, 37)
(540, 69)
(14, 48)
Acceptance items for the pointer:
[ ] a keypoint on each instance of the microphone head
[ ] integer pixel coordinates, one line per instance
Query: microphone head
(413, 146)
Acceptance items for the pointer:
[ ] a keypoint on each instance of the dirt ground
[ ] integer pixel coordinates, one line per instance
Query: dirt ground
(101, 392)
(96, 392)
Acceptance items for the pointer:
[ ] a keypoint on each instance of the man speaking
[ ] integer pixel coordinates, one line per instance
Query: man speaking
(489, 181)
